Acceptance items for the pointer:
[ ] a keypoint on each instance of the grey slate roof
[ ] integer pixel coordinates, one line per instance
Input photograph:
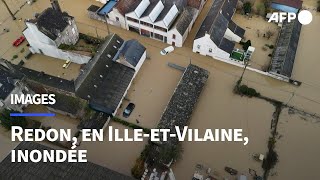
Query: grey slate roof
(6, 82)
(52, 22)
(132, 51)
(45, 79)
(185, 19)
(236, 29)
(103, 82)
(285, 51)
(182, 103)
(217, 21)
(44, 171)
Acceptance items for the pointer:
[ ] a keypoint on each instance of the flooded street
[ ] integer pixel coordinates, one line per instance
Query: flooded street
(218, 107)
(118, 156)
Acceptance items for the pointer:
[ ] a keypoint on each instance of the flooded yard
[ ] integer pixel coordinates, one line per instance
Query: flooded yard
(153, 87)
(257, 29)
(297, 146)
(219, 108)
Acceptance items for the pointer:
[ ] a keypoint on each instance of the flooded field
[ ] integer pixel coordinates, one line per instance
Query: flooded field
(297, 146)
(218, 107)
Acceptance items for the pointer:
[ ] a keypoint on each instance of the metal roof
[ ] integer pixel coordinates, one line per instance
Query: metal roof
(141, 7)
(156, 11)
(171, 15)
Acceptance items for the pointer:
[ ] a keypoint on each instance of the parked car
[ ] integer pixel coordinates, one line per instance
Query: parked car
(167, 50)
(231, 170)
(128, 110)
(19, 41)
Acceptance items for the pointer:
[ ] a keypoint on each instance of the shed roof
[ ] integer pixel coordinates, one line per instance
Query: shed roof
(285, 51)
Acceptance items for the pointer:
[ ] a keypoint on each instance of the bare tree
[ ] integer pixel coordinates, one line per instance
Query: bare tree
(12, 15)
(269, 34)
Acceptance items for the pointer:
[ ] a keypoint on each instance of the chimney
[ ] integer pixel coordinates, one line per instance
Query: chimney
(55, 5)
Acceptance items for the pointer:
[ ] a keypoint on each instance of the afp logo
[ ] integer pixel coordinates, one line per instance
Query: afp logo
(304, 17)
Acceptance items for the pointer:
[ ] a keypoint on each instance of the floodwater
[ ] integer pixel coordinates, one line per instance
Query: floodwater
(297, 147)
(218, 107)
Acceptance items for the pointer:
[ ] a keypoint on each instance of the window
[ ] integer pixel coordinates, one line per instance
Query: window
(198, 46)
(173, 36)
(131, 19)
(146, 24)
(210, 50)
(160, 28)
(117, 19)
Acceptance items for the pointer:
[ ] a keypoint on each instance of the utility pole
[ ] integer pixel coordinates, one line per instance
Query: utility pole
(13, 17)
(105, 16)
(244, 70)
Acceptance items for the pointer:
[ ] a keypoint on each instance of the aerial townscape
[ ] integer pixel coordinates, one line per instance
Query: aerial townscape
(162, 64)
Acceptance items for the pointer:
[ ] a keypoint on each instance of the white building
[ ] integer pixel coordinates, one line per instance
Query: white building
(167, 21)
(131, 54)
(49, 30)
(218, 33)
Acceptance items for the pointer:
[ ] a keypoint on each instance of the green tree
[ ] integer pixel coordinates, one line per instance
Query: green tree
(247, 7)
(7, 121)
(246, 45)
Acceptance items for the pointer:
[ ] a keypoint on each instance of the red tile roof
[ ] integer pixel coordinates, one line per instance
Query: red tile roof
(292, 3)
(126, 6)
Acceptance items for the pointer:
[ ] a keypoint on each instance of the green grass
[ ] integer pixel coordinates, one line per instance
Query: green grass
(237, 55)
